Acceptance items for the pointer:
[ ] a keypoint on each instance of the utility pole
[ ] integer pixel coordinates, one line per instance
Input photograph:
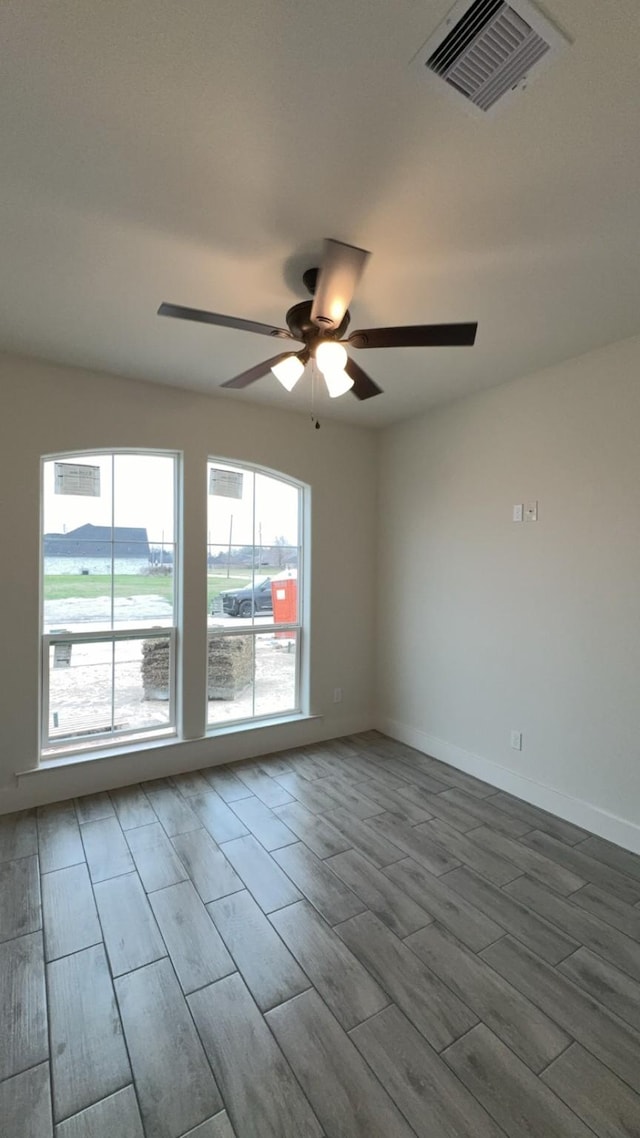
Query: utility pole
(230, 537)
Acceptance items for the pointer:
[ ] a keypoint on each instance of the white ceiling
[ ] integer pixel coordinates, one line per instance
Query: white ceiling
(198, 152)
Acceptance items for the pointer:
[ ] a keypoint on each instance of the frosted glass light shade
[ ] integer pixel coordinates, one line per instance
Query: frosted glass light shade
(330, 357)
(338, 382)
(288, 371)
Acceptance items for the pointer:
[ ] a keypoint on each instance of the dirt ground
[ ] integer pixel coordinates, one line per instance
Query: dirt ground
(81, 693)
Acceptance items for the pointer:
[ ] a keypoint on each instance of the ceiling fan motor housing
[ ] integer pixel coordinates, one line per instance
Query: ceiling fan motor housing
(302, 327)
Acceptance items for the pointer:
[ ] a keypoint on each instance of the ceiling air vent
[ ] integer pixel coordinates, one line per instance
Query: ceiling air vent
(486, 49)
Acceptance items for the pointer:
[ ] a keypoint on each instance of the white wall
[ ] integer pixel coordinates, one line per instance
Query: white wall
(486, 625)
(483, 625)
(48, 409)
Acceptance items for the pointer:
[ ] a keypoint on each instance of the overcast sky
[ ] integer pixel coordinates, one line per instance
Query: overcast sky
(138, 491)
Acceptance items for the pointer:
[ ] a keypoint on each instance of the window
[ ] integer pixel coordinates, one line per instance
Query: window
(109, 591)
(109, 568)
(254, 578)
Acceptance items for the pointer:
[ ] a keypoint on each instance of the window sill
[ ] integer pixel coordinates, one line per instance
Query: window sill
(70, 760)
(259, 724)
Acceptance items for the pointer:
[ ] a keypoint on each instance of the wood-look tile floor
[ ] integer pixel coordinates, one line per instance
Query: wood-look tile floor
(351, 940)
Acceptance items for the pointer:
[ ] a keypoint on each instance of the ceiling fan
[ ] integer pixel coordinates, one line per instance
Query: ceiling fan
(319, 325)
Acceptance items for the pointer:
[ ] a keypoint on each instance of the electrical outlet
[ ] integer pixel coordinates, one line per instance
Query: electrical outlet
(516, 740)
(337, 695)
(518, 512)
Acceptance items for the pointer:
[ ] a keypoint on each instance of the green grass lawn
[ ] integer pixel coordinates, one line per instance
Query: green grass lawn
(74, 585)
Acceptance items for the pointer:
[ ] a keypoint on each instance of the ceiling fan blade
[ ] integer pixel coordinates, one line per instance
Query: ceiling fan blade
(341, 269)
(363, 385)
(201, 317)
(256, 372)
(415, 336)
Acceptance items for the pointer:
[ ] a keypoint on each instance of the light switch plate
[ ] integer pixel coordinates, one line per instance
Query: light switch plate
(517, 512)
(531, 512)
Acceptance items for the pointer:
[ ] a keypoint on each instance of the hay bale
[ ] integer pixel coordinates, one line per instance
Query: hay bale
(155, 668)
(229, 667)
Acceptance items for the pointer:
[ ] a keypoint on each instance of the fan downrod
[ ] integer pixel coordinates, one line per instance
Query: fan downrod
(310, 280)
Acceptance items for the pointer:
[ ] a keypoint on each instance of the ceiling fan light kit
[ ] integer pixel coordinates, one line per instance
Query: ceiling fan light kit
(331, 356)
(288, 371)
(338, 383)
(320, 325)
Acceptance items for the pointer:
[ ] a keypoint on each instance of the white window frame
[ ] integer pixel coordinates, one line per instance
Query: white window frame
(56, 747)
(300, 627)
(60, 744)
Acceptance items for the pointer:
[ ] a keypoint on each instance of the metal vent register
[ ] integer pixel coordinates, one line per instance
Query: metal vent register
(487, 49)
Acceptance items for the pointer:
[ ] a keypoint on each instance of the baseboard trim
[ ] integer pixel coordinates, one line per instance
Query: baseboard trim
(54, 782)
(584, 814)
